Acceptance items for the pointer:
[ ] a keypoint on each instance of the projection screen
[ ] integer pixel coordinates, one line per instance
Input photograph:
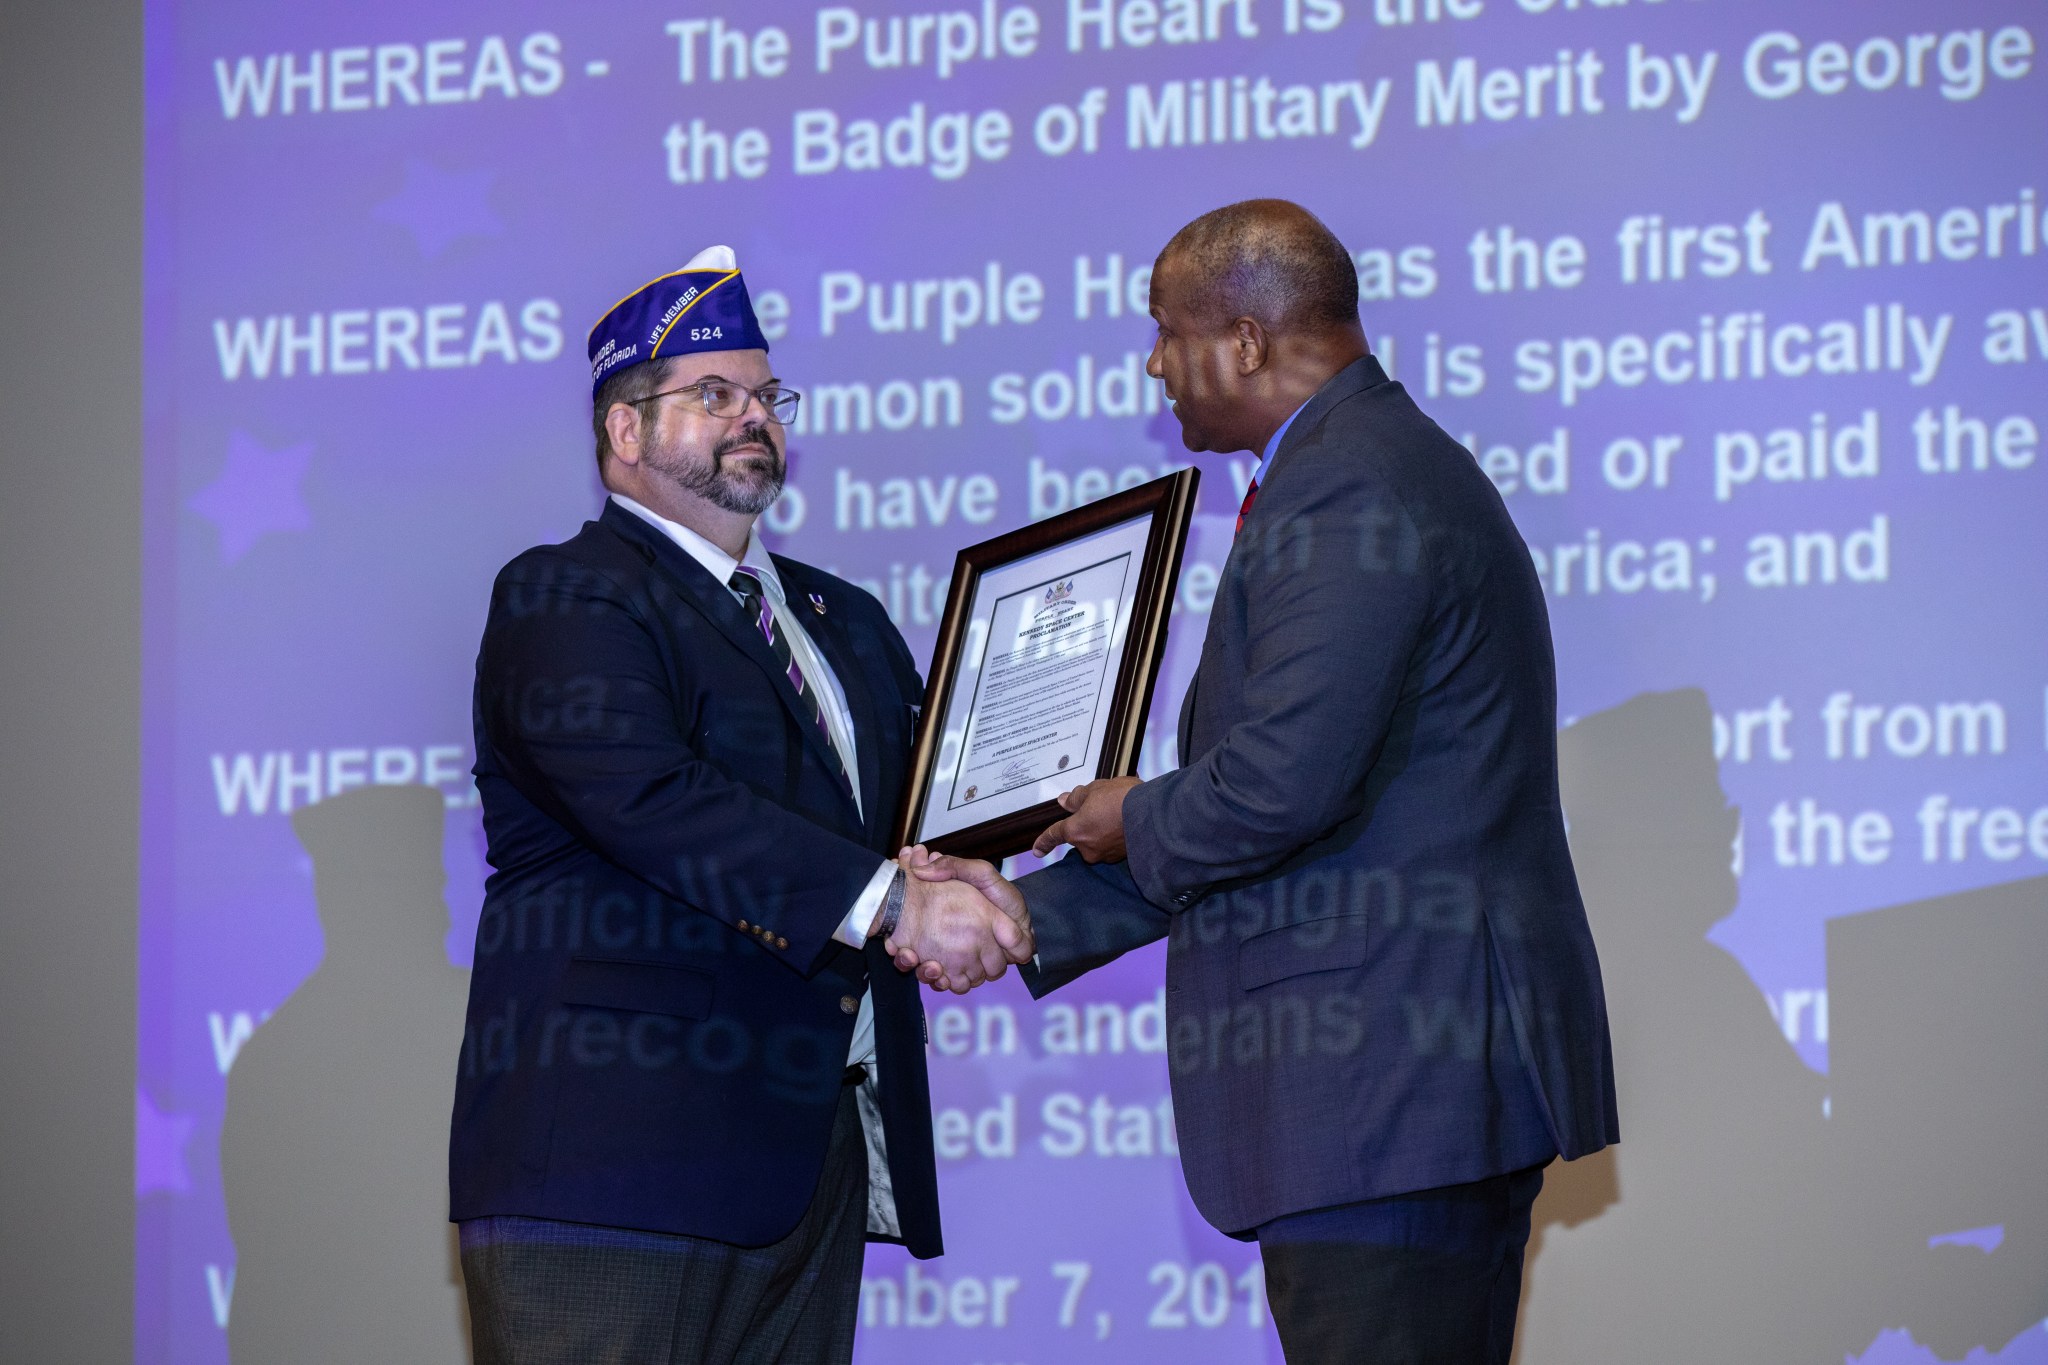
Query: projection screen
(1743, 307)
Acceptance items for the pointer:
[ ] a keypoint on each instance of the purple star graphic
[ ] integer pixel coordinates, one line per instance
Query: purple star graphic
(256, 494)
(441, 207)
(160, 1148)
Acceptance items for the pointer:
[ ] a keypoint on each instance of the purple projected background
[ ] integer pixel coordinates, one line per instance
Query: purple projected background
(1750, 330)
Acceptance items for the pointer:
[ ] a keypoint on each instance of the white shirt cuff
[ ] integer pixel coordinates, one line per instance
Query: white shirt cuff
(853, 930)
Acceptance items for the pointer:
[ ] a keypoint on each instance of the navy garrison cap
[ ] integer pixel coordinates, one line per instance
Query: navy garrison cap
(702, 307)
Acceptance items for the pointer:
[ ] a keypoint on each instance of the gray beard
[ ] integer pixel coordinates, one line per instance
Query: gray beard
(713, 482)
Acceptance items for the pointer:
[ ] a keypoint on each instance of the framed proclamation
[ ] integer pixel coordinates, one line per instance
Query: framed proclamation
(1044, 668)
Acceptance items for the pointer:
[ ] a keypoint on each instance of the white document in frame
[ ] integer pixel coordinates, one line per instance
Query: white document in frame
(1028, 711)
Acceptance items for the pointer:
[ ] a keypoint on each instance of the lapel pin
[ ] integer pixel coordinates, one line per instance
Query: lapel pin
(817, 604)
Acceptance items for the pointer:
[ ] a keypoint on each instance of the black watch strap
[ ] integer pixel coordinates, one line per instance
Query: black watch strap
(892, 907)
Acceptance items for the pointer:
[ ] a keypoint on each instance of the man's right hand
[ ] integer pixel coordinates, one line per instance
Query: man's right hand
(954, 935)
(931, 868)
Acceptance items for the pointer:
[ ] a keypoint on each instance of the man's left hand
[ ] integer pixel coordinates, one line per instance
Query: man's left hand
(1094, 823)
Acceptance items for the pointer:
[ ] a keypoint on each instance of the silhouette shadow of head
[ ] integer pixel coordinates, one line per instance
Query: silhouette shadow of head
(334, 1148)
(1652, 833)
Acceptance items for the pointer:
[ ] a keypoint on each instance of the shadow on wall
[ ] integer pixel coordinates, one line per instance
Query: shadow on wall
(1736, 1222)
(1939, 1064)
(334, 1151)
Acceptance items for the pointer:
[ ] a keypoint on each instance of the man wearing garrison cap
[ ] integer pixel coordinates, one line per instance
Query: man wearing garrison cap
(692, 1081)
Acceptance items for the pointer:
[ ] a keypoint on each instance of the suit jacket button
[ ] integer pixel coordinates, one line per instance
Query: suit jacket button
(743, 926)
(781, 942)
(1183, 898)
(848, 1005)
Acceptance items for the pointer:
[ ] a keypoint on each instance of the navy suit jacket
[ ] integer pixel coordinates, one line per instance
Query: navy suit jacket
(659, 1015)
(1379, 975)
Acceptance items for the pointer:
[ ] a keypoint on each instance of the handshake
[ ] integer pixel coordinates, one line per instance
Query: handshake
(963, 923)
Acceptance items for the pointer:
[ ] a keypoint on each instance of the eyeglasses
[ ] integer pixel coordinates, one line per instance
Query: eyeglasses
(722, 398)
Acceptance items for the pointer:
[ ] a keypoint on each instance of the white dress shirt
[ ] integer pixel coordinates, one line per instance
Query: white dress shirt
(860, 917)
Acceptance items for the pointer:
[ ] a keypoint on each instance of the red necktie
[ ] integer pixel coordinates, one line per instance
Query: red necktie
(1245, 507)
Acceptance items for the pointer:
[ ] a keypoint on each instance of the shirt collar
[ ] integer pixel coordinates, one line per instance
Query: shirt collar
(1272, 445)
(716, 562)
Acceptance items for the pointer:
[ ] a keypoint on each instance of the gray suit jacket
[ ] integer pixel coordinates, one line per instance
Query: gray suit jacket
(1379, 975)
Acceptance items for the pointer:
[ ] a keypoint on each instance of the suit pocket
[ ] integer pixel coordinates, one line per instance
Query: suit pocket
(638, 987)
(1329, 943)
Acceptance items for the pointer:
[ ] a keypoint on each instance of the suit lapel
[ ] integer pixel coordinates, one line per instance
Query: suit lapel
(1359, 375)
(716, 604)
(853, 670)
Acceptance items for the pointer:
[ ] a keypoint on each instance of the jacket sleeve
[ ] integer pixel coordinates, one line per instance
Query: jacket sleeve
(581, 715)
(1084, 916)
(1337, 593)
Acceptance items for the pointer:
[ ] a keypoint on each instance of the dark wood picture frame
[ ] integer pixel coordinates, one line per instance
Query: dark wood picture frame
(1171, 503)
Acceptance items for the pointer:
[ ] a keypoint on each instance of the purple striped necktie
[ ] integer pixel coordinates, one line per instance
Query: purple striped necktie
(754, 600)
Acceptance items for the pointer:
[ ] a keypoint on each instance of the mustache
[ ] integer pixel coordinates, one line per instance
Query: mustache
(752, 434)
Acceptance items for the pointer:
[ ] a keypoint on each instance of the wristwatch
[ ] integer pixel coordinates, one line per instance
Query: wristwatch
(892, 908)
